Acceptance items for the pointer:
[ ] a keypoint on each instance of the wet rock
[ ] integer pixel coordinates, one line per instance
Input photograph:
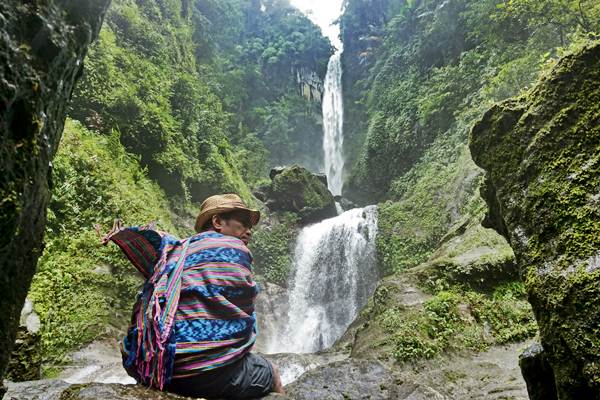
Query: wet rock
(297, 190)
(357, 379)
(490, 375)
(293, 365)
(61, 390)
(42, 46)
(347, 204)
(98, 362)
(540, 153)
(537, 373)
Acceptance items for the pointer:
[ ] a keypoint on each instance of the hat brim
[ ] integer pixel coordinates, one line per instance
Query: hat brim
(208, 214)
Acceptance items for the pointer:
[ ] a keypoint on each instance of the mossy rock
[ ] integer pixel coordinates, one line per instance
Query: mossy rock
(470, 255)
(541, 152)
(295, 189)
(402, 323)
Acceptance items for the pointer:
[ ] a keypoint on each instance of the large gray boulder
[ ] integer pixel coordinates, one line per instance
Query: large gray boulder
(42, 47)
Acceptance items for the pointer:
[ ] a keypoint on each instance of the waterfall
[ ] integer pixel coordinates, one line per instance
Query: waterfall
(335, 273)
(333, 121)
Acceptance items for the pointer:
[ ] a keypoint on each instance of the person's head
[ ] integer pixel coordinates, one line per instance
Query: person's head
(227, 214)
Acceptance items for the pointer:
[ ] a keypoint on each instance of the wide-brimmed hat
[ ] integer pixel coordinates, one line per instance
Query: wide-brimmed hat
(223, 203)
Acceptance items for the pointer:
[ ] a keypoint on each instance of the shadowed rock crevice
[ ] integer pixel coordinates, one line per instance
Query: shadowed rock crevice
(42, 46)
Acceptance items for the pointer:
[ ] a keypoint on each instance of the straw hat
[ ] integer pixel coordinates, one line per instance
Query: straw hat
(220, 204)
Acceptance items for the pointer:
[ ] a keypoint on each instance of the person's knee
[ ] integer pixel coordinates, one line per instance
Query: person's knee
(277, 385)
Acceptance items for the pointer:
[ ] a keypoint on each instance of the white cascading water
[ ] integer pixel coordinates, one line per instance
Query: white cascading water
(335, 268)
(333, 124)
(335, 273)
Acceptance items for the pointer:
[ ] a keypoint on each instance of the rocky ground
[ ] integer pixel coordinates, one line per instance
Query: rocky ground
(493, 374)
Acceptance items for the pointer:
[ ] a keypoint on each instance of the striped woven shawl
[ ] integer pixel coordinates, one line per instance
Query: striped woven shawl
(196, 309)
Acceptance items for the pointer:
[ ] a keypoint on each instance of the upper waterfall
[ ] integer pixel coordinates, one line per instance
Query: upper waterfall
(333, 121)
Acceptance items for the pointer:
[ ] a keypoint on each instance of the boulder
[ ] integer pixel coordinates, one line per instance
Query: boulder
(42, 47)
(541, 153)
(347, 204)
(276, 171)
(470, 255)
(297, 190)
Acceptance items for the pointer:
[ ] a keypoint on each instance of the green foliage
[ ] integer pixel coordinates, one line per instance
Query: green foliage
(505, 313)
(417, 71)
(454, 320)
(292, 130)
(138, 82)
(560, 16)
(254, 63)
(418, 76)
(82, 289)
(191, 86)
(272, 247)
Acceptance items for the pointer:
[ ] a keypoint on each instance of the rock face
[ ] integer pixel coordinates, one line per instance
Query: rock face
(542, 157)
(42, 46)
(470, 255)
(297, 190)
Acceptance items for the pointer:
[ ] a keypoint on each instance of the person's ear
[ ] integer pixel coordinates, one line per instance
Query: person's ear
(217, 223)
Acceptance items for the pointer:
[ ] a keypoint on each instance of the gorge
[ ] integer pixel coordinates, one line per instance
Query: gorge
(428, 187)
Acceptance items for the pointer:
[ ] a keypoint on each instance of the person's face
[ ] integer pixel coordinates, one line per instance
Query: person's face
(235, 223)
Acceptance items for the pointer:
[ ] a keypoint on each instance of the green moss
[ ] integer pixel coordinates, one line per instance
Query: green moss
(83, 289)
(314, 193)
(454, 320)
(272, 248)
(471, 256)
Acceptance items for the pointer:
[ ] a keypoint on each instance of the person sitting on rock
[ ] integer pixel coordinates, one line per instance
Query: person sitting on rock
(193, 326)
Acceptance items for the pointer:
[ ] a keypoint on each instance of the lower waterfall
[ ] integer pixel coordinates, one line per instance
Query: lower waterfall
(335, 272)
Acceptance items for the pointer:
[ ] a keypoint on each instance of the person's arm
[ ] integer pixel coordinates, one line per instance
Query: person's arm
(142, 245)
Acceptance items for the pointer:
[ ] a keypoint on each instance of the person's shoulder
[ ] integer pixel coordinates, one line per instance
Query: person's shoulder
(219, 239)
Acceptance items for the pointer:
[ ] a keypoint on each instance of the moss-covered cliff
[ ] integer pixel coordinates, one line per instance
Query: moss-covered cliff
(42, 46)
(541, 153)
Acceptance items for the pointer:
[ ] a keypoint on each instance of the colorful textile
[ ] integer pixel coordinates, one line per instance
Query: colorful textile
(196, 309)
